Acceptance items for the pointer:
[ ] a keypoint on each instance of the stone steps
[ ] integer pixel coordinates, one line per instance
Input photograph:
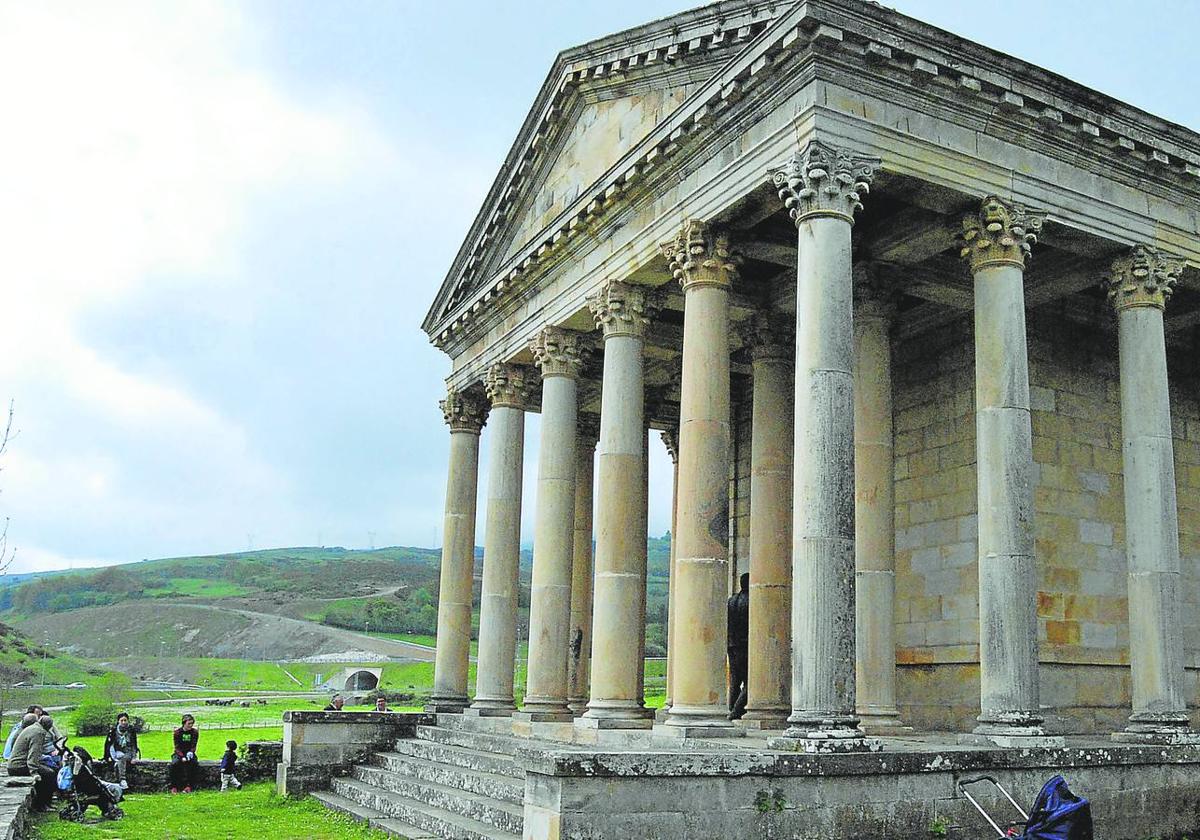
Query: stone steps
(502, 815)
(505, 788)
(373, 818)
(423, 815)
(505, 745)
(464, 757)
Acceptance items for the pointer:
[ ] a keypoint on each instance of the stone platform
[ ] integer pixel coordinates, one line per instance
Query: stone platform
(456, 776)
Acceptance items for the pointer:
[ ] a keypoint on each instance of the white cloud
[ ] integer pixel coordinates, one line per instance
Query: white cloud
(138, 137)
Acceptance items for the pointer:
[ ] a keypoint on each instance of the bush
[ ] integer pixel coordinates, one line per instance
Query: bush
(94, 718)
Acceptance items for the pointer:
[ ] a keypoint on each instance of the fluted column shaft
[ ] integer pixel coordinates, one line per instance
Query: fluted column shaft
(1139, 286)
(622, 310)
(874, 515)
(769, 674)
(997, 240)
(671, 441)
(557, 354)
(580, 651)
(508, 388)
(703, 265)
(465, 413)
(822, 188)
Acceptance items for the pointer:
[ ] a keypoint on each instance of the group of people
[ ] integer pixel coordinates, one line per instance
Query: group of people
(35, 748)
(338, 701)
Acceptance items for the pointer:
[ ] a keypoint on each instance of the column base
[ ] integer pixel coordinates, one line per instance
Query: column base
(660, 715)
(476, 710)
(577, 705)
(825, 741)
(882, 721)
(764, 719)
(1163, 729)
(998, 735)
(603, 723)
(689, 731)
(447, 705)
(563, 715)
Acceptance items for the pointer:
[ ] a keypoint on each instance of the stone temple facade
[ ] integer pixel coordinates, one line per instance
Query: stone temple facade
(918, 323)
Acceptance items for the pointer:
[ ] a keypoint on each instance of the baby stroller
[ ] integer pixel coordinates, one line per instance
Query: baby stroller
(1057, 813)
(79, 785)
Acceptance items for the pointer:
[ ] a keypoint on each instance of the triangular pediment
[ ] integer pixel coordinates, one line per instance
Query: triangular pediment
(599, 101)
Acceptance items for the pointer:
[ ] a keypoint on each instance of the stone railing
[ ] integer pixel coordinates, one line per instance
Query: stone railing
(320, 745)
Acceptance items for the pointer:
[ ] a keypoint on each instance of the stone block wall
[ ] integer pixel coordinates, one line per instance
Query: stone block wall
(739, 483)
(1079, 526)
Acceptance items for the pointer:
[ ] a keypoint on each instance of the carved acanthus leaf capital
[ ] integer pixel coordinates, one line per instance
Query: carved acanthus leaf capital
(875, 289)
(1142, 277)
(824, 180)
(558, 352)
(670, 439)
(623, 308)
(769, 335)
(509, 385)
(464, 411)
(700, 255)
(999, 233)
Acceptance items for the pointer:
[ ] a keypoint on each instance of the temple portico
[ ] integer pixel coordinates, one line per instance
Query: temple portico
(917, 322)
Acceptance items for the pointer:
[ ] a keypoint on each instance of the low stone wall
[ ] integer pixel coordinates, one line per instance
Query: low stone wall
(15, 795)
(320, 745)
(151, 776)
(898, 795)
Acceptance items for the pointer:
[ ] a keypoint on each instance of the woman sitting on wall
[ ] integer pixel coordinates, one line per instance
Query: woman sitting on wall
(184, 764)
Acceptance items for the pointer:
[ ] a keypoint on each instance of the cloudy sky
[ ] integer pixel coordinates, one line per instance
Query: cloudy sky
(222, 222)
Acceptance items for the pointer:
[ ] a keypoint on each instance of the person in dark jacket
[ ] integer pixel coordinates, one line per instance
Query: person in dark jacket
(26, 759)
(738, 646)
(229, 767)
(184, 764)
(121, 748)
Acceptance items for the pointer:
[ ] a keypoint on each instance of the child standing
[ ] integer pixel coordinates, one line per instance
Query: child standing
(228, 765)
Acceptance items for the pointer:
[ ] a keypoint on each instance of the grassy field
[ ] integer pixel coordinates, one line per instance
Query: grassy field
(159, 744)
(254, 811)
(197, 588)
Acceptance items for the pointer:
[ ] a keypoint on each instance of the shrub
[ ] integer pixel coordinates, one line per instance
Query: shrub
(94, 718)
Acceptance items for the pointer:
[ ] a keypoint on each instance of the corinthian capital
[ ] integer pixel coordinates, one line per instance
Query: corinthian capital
(769, 335)
(509, 385)
(824, 180)
(999, 234)
(558, 352)
(623, 308)
(1142, 277)
(700, 255)
(875, 289)
(464, 411)
(670, 439)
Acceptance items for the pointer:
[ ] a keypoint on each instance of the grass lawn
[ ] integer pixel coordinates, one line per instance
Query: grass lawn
(254, 811)
(159, 745)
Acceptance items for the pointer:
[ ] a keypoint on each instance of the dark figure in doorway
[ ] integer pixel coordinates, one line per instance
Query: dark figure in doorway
(738, 643)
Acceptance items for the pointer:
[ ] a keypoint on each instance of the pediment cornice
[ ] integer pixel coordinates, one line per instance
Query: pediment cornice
(893, 53)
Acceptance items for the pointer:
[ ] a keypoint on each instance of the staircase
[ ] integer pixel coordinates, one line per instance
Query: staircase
(447, 782)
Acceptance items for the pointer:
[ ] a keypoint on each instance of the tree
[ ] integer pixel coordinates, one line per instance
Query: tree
(7, 555)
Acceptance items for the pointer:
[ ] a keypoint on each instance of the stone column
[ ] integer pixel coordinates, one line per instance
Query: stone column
(874, 509)
(702, 263)
(1139, 286)
(465, 412)
(580, 650)
(508, 388)
(822, 188)
(623, 311)
(557, 352)
(769, 677)
(997, 239)
(670, 439)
